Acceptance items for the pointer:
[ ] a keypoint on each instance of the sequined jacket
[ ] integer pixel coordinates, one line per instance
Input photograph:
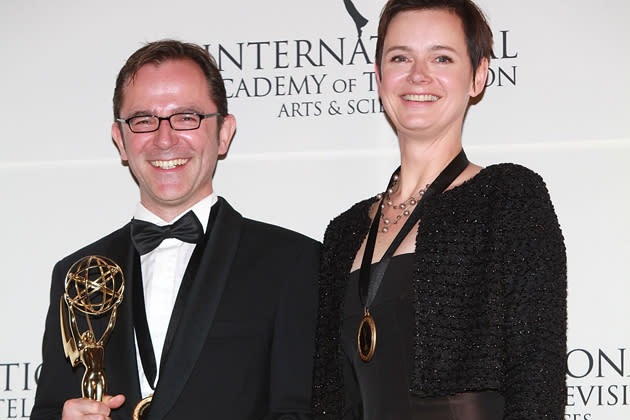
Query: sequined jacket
(490, 296)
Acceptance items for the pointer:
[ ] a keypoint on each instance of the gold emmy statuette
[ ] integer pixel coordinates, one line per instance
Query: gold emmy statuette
(94, 286)
(141, 410)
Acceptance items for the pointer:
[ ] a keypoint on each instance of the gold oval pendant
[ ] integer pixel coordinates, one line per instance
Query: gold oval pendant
(141, 410)
(366, 337)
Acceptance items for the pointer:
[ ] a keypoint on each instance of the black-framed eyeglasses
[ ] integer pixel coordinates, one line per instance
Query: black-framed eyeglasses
(180, 121)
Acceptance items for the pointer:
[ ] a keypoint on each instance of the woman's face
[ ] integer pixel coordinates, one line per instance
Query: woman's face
(426, 77)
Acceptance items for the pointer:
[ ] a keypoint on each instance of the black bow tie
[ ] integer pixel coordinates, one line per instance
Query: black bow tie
(147, 236)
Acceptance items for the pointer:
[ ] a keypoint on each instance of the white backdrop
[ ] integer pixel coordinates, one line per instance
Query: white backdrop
(311, 141)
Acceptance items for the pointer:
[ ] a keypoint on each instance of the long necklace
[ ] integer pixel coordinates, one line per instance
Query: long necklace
(404, 207)
(371, 275)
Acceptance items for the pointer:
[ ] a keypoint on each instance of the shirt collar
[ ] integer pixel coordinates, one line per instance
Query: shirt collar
(201, 210)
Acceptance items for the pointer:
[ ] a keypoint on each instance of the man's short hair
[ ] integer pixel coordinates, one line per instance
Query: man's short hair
(159, 52)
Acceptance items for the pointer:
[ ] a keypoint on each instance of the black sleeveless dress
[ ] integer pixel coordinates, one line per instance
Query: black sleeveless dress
(379, 389)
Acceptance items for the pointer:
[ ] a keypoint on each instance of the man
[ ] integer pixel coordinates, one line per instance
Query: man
(230, 318)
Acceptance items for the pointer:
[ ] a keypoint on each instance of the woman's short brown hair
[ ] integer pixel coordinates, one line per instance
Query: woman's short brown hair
(476, 29)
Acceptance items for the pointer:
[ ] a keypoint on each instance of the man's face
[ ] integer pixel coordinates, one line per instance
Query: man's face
(174, 168)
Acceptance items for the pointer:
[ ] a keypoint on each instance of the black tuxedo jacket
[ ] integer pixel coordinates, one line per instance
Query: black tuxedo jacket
(243, 348)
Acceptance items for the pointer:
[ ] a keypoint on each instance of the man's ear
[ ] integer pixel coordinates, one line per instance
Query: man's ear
(226, 133)
(118, 139)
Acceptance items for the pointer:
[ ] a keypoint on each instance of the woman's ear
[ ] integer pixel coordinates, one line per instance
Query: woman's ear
(480, 77)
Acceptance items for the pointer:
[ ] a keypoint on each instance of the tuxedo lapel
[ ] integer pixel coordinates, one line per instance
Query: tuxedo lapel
(199, 309)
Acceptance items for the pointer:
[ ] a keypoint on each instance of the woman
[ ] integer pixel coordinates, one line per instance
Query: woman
(453, 306)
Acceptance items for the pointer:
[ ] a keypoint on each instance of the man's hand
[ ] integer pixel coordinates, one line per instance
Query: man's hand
(85, 409)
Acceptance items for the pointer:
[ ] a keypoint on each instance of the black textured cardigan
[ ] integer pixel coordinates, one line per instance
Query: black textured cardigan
(490, 296)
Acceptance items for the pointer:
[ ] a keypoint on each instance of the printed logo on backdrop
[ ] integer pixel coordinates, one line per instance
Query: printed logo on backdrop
(18, 381)
(327, 76)
(598, 383)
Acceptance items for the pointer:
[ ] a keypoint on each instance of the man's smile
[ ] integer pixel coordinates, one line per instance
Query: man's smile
(168, 164)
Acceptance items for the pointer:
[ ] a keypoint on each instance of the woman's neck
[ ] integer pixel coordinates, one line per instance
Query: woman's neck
(421, 163)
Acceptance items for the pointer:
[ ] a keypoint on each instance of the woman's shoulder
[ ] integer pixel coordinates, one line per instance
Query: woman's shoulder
(510, 172)
(510, 178)
(516, 192)
(357, 212)
(352, 221)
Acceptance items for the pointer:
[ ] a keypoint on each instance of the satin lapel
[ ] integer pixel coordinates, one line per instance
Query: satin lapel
(204, 298)
(121, 369)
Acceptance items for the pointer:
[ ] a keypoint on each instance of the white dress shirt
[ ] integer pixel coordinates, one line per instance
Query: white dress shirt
(162, 273)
